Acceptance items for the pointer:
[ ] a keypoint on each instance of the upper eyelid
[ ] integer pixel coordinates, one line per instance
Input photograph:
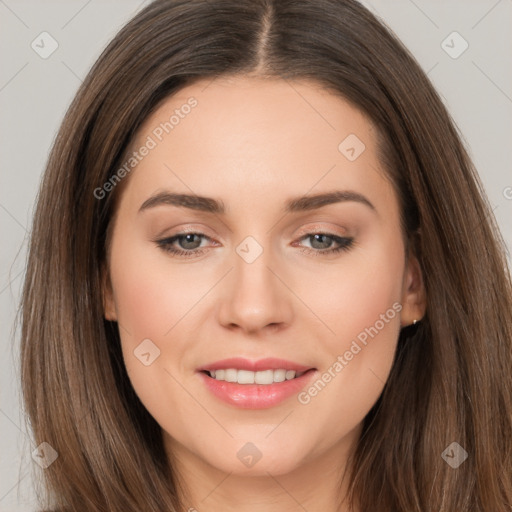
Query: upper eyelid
(324, 230)
(305, 231)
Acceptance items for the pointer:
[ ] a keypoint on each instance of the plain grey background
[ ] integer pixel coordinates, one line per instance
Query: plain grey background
(474, 82)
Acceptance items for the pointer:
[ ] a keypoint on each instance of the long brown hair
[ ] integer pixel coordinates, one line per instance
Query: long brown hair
(451, 378)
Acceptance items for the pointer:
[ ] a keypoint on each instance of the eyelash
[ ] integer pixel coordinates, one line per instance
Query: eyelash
(166, 245)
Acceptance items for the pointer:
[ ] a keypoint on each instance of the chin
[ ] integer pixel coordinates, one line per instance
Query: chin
(251, 459)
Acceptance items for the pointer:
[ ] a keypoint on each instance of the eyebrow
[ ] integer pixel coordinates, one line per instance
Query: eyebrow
(214, 206)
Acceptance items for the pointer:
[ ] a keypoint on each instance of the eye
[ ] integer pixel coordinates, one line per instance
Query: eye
(190, 244)
(321, 243)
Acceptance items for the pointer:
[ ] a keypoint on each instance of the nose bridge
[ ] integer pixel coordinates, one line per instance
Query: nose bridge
(252, 267)
(256, 297)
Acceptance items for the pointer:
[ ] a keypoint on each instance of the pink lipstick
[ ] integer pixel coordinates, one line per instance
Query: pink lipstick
(257, 384)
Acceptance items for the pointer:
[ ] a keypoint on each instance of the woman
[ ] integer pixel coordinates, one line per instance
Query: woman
(263, 276)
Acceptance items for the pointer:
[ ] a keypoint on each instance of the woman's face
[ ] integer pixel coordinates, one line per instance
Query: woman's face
(267, 268)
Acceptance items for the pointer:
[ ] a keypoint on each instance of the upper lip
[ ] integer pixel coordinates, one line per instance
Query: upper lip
(269, 363)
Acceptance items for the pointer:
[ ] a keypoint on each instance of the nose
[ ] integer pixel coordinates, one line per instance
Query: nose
(255, 297)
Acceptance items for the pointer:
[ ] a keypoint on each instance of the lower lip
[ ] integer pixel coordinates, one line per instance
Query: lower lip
(256, 396)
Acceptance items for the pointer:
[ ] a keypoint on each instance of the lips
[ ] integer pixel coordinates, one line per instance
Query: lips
(250, 394)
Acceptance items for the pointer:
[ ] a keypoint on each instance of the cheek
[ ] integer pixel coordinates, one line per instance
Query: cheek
(150, 299)
(151, 305)
(362, 307)
(353, 294)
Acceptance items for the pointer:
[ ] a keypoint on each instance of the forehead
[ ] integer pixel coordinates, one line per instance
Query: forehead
(253, 138)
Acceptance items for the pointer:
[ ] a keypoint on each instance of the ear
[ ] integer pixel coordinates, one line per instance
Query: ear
(109, 306)
(414, 300)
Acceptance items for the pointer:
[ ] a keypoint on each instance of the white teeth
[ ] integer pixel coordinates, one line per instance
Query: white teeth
(264, 377)
(249, 377)
(279, 375)
(230, 375)
(245, 377)
(290, 374)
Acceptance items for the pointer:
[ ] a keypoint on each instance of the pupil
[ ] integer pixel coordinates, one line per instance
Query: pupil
(189, 241)
(319, 238)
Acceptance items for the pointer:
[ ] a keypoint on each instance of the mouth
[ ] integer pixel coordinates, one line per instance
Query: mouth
(255, 384)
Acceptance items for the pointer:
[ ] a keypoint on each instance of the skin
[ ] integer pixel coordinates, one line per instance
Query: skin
(255, 143)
